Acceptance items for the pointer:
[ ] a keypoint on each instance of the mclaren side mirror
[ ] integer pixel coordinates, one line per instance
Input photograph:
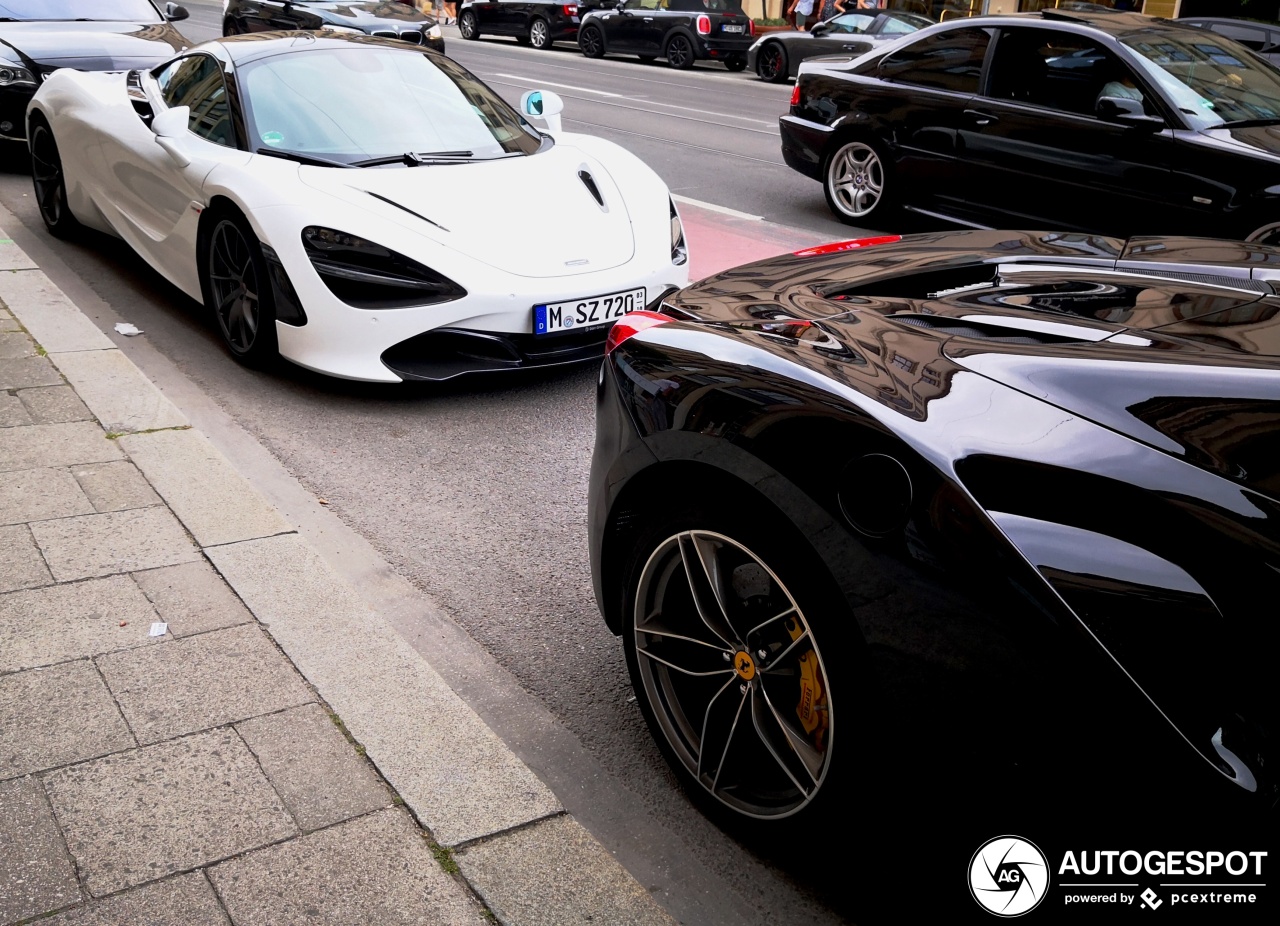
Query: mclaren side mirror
(542, 108)
(170, 126)
(175, 12)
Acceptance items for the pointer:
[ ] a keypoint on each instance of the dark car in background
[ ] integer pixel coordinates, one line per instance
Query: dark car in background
(1263, 38)
(39, 36)
(388, 19)
(953, 521)
(682, 31)
(1110, 122)
(539, 23)
(776, 56)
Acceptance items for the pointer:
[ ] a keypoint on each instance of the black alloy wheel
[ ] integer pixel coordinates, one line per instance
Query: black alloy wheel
(736, 63)
(539, 34)
(591, 41)
(238, 291)
(679, 52)
(771, 63)
(723, 630)
(49, 182)
(468, 25)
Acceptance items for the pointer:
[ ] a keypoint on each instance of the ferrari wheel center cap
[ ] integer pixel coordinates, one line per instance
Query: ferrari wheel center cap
(744, 665)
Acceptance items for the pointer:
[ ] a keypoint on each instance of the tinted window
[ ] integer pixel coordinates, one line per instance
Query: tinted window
(1057, 70)
(197, 82)
(950, 60)
(1250, 37)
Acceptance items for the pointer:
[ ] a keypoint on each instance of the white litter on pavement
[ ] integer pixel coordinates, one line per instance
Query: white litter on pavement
(128, 330)
(159, 629)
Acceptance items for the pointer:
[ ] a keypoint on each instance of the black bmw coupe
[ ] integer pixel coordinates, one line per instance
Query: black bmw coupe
(39, 36)
(988, 515)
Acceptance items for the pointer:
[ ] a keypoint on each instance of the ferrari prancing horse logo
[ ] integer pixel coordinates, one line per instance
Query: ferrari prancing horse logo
(744, 665)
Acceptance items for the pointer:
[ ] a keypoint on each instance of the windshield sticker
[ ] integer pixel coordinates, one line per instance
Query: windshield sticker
(272, 138)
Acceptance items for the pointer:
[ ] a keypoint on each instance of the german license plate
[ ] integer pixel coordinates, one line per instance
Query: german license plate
(731, 28)
(591, 312)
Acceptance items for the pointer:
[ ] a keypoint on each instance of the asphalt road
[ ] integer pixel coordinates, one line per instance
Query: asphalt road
(476, 492)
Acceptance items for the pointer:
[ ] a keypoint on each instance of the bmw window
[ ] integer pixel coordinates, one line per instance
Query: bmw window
(1211, 80)
(950, 60)
(364, 103)
(1057, 70)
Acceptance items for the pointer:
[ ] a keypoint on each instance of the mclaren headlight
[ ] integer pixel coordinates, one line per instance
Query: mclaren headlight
(13, 76)
(369, 276)
(679, 251)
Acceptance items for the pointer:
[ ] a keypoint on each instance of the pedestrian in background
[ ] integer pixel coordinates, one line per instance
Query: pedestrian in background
(868, 4)
(830, 9)
(802, 10)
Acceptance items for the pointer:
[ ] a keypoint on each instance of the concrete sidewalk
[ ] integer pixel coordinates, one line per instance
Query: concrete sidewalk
(200, 723)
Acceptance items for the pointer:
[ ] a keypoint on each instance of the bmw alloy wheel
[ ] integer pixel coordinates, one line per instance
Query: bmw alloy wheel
(731, 675)
(855, 180)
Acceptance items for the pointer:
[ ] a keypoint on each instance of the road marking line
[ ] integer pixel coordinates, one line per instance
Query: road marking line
(712, 207)
(565, 86)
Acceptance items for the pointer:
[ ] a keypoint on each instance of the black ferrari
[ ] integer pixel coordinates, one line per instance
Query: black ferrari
(776, 56)
(985, 514)
(39, 36)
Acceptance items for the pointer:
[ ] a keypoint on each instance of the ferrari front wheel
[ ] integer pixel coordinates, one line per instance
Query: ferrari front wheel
(238, 290)
(734, 652)
(49, 182)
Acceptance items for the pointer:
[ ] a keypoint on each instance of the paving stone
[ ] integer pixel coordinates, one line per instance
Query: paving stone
(15, 344)
(38, 731)
(115, 486)
(459, 779)
(116, 391)
(48, 625)
(54, 405)
(315, 770)
(36, 875)
(119, 541)
(202, 682)
(40, 495)
(192, 598)
(554, 873)
(8, 322)
(13, 414)
(48, 314)
(377, 869)
(214, 501)
(21, 565)
(137, 816)
(187, 900)
(55, 445)
(24, 372)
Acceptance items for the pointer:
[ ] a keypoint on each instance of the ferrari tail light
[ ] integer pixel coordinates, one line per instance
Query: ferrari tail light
(853, 244)
(632, 324)
(704, 25)
(366, 275)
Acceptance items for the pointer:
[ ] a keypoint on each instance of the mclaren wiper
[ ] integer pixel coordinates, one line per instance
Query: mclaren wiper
(418, 158)
(302, 158)
(1248, 123)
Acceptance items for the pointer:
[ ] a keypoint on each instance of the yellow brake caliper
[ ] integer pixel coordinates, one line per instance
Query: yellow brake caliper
(812, 706)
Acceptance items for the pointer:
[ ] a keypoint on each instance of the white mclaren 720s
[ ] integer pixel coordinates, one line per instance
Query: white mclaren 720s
(364, 208)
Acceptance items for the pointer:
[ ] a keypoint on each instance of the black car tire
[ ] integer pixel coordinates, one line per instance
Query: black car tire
(1267, 233)
(539, 33)
(679, 52)
(237, 289)
(469, 26)
(771, 63)
(858, 181)
(591, 41)
(783, 604)
(49, 182)
(736, 63)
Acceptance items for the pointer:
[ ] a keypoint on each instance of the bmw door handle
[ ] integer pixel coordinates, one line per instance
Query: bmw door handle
(981, 118)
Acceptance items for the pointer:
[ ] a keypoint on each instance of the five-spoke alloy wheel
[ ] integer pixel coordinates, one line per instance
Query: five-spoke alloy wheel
(726, 662)
(238, 291)
(856, 182)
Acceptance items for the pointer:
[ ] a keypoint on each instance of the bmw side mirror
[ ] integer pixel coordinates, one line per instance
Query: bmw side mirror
(175, 12)
(542, 108)
(1128, 111)
(170, 126)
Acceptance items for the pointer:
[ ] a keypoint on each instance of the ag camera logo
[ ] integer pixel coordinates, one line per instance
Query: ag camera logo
(1008, 876)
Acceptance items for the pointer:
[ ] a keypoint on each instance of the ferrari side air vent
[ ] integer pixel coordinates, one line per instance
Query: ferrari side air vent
(966, 329)
(590, 183)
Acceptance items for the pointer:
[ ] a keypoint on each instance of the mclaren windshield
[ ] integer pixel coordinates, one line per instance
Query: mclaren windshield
(368, 105)
(1212, 80)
